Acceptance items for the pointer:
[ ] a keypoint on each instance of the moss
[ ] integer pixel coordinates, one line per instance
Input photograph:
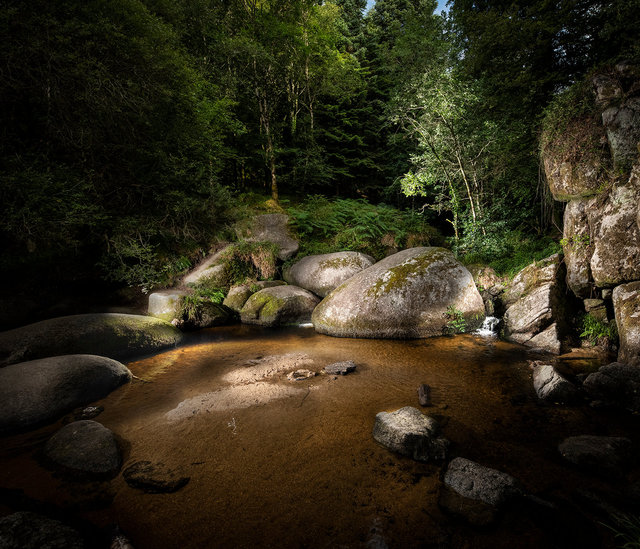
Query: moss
(340, 262)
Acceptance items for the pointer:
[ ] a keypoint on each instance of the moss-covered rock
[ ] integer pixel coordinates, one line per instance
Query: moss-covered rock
(112, 335)
(165, 304)
(626, 304)
(279, 306)
(406, 295)
(38, 391)
(321, 274)
(238, 295)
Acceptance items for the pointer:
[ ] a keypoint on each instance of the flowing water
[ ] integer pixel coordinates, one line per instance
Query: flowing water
(280, 463)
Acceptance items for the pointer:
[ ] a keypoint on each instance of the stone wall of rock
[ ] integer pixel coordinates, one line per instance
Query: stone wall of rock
(601, 235)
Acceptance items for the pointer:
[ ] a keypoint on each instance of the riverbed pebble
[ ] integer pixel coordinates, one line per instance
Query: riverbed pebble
(154, 478)
(341, 368)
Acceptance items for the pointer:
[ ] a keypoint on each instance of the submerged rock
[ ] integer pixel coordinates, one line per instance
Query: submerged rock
(26, 530)
(85, 447)
(607, 456)
(154, 478)
(114, 335)
(409, 432)
(321, 274)
(279, 306)
(626, 304)
(550, 385)
(36, 392)
(340, 368)
(424, 395)
(406, 295)
(616, 384)
(476, 492)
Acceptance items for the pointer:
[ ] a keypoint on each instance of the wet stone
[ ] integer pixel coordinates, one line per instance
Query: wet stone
(88, 413)
(424, 395)
(601, 455)
(300, 375)
(551, 386)
(341, 368)
(154, 478)
(25, 530)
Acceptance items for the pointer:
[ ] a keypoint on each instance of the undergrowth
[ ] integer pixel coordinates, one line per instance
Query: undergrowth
(325, 226)
(248, 261)
(597, 332)
(190, 305)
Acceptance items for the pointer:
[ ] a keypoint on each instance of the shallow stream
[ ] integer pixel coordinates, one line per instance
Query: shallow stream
(280, 463)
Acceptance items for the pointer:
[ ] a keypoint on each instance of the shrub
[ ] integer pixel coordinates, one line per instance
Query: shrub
(597, 332)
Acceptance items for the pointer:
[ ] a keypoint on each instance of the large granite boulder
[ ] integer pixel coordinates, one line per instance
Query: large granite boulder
(39, 391)
(626, 304)
(616, 384)
(409, 432)
(571, 179)
(577, 241)
(605, 456)
(279, 306)
(273, 228)
(113, 335)
(26, 530)
(321, 274)
(238, 295)
(476, 492)
(406, 295)
(213, 269)
(85, 447)
(537, 305)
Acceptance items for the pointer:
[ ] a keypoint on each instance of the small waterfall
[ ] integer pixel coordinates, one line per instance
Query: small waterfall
(489, 327)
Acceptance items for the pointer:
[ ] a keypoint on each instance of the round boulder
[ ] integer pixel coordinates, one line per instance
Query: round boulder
(321, 274)
(25, 530)
(114, 335)
(36, 392)
(85, 446)
(606, 456)
(406, 295)
(238, 295)
(409, 432)
(551, 386)
(616, 384)
(279, 306)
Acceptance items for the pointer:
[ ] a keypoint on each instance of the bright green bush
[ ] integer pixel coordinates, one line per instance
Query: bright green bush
(595, 331)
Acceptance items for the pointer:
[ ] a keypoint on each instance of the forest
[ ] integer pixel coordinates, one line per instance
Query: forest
(134, 132)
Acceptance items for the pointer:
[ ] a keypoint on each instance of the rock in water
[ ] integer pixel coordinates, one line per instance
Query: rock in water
(106, 334)
(279, 306)
(85, 447)
(550, 385)
(616, 384)
(238, 295)
(340, 368)
(607, 456)
(405, 295)
(409, 432)
(321, 274)
(424, 395)
(36, 392)
(154, 478)
(25, 530)
(476, 492)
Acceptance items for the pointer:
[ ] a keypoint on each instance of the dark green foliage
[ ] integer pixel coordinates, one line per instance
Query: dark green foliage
(596, 332)
(190, 306)
(456, 323)
(326, 226)
(246, 261)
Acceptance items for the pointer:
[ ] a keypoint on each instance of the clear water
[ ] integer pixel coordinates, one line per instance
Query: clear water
(279, 463)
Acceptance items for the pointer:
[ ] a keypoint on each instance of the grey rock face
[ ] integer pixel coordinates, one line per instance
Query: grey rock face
(409, 432)
(476, 492)
(25, 530)
(238, 295)
(279, 306)
(340, 368)
(36, 392)
(536, 305)
(321, 274)
(165, 304)
(552, 386)
(85, 446)
(577, 233)
(212, 267)
(569, 180)
(626, 304)
(106, 334)
(622, 123)
(607, 456)
(616, 384)
(154, 478)
(405, 295)
(274, 228)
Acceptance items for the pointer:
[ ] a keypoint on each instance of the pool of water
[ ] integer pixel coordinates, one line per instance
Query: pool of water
(280, 463)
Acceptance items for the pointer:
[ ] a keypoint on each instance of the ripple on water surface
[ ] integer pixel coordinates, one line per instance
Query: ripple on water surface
(280, 463)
